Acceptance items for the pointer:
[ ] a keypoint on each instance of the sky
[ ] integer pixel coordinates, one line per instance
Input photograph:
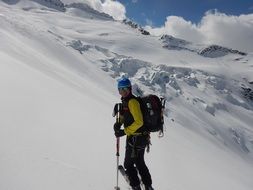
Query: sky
(227, 23)
(154, 12)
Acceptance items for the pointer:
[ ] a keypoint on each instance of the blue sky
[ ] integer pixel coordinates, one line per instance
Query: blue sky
(154, 12)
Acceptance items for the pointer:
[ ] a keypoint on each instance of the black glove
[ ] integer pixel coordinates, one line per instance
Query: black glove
(119, 133)
(116, 126)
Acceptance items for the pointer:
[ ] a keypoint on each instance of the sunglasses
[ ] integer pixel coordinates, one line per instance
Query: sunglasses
(123, 89)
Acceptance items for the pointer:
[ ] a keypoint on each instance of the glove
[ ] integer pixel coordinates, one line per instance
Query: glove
(119, 133)
(116, 126)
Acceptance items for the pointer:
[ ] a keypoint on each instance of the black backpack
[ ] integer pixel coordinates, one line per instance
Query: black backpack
(152, 110)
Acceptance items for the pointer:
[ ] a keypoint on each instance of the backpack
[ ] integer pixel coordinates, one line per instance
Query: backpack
(152, 110)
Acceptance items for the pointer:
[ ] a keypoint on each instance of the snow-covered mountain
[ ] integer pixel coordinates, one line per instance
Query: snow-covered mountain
(135, 26)
(212, 51)
(42, 4)
(58, 71)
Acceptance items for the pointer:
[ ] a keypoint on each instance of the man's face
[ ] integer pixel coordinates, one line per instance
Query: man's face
(124, 92)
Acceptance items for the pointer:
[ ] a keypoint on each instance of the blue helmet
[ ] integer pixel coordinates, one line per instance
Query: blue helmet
(124, 83)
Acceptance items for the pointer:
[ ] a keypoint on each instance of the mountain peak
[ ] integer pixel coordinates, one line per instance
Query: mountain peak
(85, 10)
(28, 4)
(134, 25)
(218, 51)
(211, 51)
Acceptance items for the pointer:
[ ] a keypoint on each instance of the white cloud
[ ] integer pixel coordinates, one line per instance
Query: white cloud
(179, 27)
(149, 22)
(113, 8)
(134, 1)
(215, 28)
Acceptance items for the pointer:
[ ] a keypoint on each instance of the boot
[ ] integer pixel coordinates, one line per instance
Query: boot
(149, 187)
(136, 188)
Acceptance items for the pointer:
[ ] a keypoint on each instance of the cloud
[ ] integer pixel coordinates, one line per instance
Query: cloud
(215, 28)
(111, 7)
(115, 9)
(134, 1)
(149, 22)
(179, 27)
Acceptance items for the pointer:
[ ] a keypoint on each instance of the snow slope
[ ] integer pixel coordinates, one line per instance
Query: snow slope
(58, 75)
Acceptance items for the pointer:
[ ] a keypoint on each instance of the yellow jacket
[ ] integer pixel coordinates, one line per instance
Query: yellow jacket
(135, 110)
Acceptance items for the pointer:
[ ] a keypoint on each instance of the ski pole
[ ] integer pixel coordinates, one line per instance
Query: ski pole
(117, 147)
(163, 101)
(117, 154)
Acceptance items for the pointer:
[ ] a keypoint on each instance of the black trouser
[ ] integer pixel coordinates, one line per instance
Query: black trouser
(134, 162)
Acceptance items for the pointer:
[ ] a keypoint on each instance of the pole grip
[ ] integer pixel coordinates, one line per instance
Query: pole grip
(117, 146)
